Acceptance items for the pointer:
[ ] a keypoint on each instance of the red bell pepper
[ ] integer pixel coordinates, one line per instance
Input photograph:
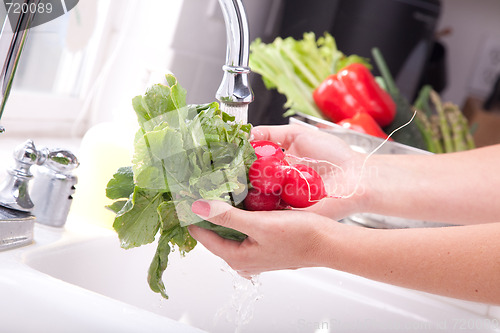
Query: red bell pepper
(353, 90)
(364, 123)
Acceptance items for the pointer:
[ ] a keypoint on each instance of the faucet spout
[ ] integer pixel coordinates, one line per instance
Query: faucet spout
(234, 92)
(237, 33)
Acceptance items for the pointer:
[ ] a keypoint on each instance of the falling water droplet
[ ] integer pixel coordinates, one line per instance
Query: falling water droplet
(240, 308)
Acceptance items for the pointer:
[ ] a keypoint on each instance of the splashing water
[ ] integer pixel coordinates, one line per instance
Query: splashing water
(240, 308)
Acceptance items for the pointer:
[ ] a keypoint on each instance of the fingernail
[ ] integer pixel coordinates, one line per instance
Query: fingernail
(201, 208)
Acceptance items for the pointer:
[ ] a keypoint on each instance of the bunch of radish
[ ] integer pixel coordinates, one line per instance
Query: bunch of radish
(275, 184)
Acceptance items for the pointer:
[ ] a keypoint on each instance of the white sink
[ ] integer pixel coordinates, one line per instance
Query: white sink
(79, 279)
(32, 301)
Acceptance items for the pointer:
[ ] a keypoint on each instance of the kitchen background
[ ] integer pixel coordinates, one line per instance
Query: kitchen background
(81, 70)
(84, 67)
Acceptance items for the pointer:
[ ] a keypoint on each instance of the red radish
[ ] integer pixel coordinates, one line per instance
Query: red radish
(302, 187)
(267, 174)
(267, 148)
(259, 201)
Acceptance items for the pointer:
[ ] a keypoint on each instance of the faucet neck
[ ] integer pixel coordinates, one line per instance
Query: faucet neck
(237, 33)
(20, 24)
(234, 89)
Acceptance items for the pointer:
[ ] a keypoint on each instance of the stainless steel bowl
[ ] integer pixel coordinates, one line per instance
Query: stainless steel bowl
(366, 144)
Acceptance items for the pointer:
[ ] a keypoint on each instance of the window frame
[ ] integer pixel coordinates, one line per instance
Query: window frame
(58, 114)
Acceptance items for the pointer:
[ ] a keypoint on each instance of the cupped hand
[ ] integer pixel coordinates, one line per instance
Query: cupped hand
(276, 239)
(339, 166)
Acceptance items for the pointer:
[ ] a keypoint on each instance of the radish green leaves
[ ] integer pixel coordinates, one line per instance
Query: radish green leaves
(181, 153)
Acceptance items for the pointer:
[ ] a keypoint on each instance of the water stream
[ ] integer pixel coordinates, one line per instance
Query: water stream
(240, 308)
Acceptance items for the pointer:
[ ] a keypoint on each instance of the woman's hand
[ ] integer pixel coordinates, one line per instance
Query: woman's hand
(339, 166)
(276, 239)
(436, 260)
(293, 238)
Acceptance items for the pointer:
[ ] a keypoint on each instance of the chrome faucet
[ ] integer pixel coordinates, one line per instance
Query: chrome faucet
(45, 198)
(52, 188)
(234, 93)
(20, 30)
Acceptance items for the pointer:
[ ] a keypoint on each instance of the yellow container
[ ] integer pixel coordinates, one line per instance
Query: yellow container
(105, 148)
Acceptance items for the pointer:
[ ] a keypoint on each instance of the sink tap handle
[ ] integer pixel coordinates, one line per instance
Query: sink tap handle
(14, 190)
(58, 160)
(53, 186)
(56, 166)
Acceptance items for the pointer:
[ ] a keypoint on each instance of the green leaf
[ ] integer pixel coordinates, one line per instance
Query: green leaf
(296, 67)
(173, 233)
(117, 205)
(410, 134)
(138, 221)
(168, 215)
(160, 161)
(182, 153)
(183, 240)
(159, 100)
(168, 212)
(159, 264)
(122, 184)
(353, 59)
(223, 231)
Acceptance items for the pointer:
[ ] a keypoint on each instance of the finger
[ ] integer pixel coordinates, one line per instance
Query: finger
(247, 275)
(326, 207)
(214, 243)
(283, 135)
(334, 208)
(223, 214)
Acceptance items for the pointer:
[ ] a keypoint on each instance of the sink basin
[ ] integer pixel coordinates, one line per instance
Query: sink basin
(87, 272)
(78, 279)
(32, 301)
